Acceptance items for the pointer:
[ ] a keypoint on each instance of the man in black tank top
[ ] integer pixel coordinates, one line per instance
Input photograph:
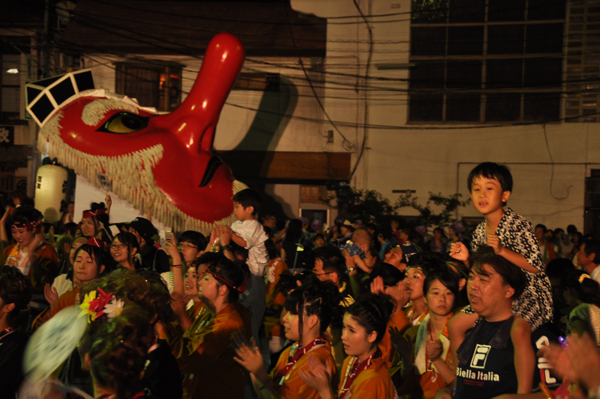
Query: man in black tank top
(496, 356)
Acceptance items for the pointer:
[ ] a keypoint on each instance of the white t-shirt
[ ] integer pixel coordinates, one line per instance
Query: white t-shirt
(253, 233)
(595, 274)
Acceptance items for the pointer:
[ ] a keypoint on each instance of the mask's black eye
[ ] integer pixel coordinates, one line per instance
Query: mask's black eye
(124, 122)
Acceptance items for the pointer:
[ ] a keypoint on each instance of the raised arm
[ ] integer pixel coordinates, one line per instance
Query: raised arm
(517, 259)
(175, 267)
(435, 350)
(459, 251)
(520, 335)
(239, 240)
(251, 360)
(226, 237)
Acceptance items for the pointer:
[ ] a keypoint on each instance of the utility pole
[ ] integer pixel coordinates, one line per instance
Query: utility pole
(46, 41)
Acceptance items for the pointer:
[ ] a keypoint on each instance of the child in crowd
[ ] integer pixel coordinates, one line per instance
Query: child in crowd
(249, 234)
(511, 236)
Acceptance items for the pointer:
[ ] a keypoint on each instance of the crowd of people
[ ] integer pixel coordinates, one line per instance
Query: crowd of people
(296, 309)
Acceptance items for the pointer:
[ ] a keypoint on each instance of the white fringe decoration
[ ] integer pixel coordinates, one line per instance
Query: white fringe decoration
(131, 175)
(94, 112)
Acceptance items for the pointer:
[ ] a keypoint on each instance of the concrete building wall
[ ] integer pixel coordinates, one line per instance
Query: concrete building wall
(438, 157)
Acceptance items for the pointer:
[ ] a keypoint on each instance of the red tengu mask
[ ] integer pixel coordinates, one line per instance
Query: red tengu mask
(146, 157)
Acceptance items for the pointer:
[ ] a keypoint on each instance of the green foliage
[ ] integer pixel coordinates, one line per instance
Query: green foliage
(371, 206)
(427, 215)
(366, 205)
(428, 11)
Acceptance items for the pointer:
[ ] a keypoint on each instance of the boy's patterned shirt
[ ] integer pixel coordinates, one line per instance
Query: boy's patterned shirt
(516, 233)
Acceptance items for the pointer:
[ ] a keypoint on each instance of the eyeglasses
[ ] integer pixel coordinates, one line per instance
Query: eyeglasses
(118, 246)
(188, 246)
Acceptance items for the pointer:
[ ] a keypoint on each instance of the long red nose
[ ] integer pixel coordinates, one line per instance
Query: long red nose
(196, 118)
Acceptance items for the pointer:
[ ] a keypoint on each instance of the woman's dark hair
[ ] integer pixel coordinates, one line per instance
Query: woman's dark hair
(230, 272)
(390, 275)
(373, 311)
(441, 231)
(510, 273)
(293, 232)
(129, 239)
(14, 288)
(272, 250)
(268, 231)
(558, 230)
(26, 214)
(288, 283)
(157, 298)
(18, 194)
(460, 271)
(61, 241)
(579, 238)
(559, 268)
(321, 299)
(445, 276)
(210, 258)
(587, 289)
(69, 228)
(459, 268)
(427, 262)
(146, 288)
(96, 253)
(118, 350)
(102, 218)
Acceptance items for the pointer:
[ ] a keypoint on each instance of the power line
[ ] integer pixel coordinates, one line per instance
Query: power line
(346, 144)
(391, 127)
(370, 88)
(447, 9)
(354, 76)
(362, 147)
(247, 33)
(395, 91)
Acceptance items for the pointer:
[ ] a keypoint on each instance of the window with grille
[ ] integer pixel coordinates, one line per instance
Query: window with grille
(582, 103)
(152, 85)
(486, 60)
